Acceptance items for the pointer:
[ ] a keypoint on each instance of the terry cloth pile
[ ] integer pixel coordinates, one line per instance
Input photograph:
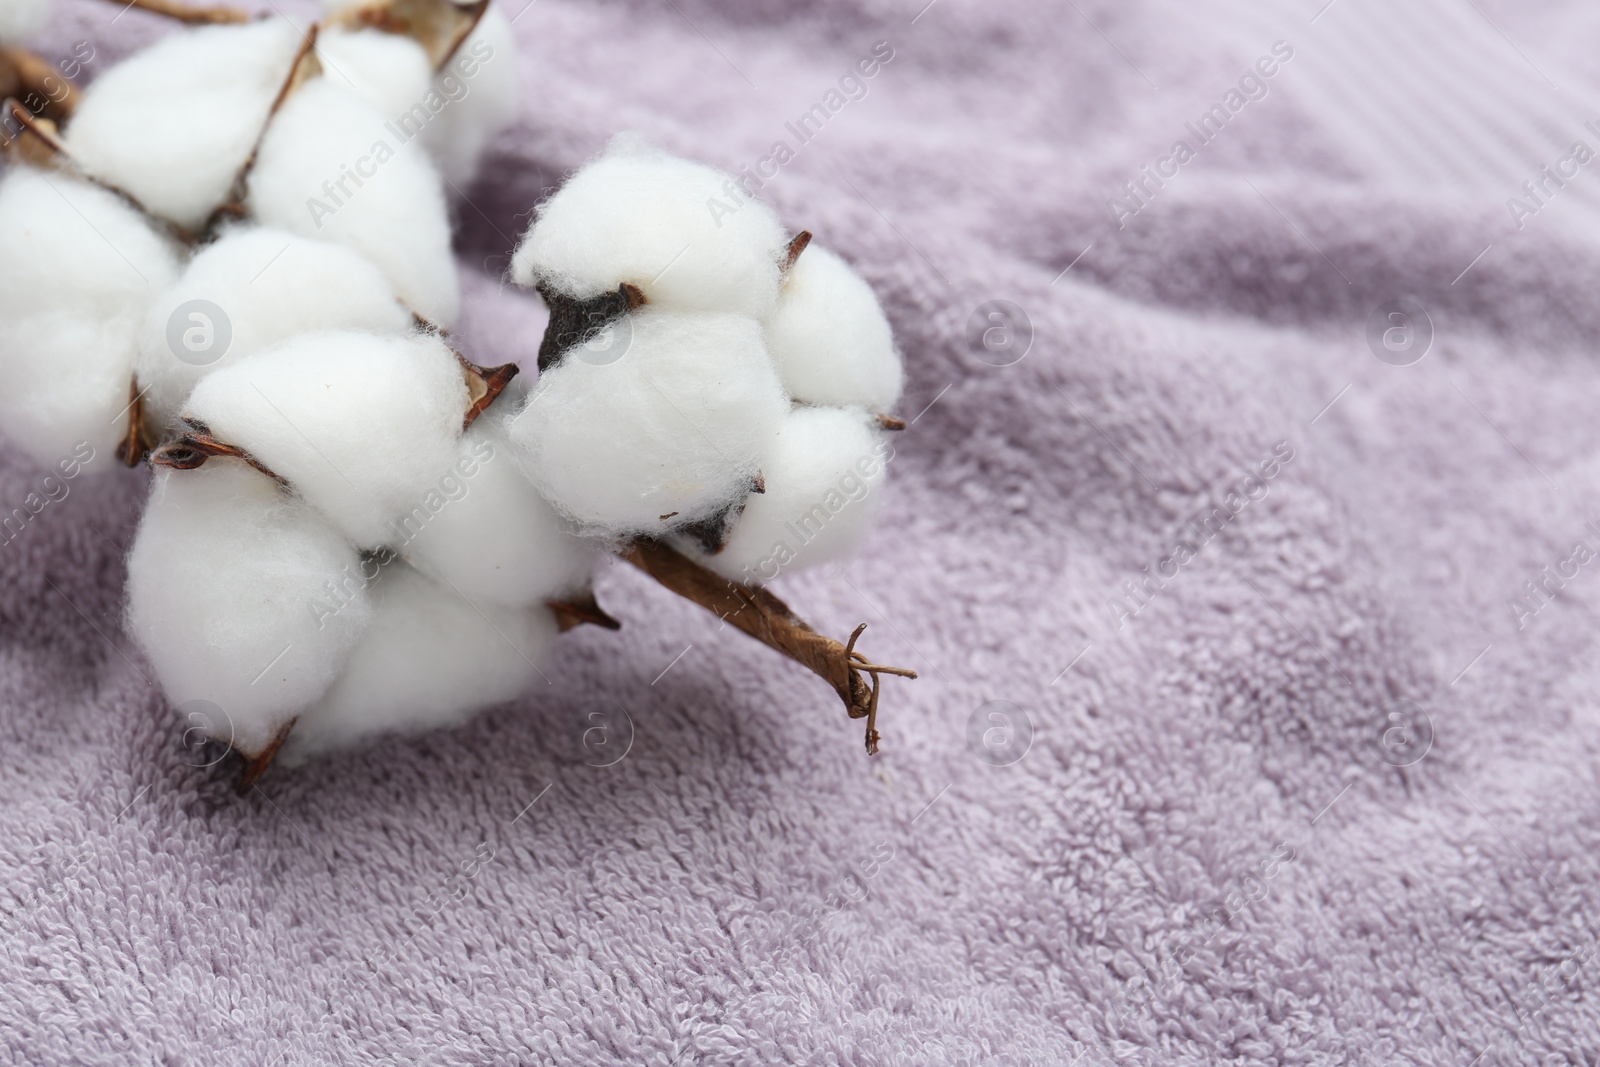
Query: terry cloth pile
(1241, 535)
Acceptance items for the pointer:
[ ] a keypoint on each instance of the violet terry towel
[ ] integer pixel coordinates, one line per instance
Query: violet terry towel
(1245, 536)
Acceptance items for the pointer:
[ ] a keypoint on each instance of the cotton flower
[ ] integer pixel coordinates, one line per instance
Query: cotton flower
(242, 595)
(639, 216)
(172, 125)
(388, 71)
(824, 470)
(362, 425)
(78, 267)
(670, 432)
(264, 286)
(430, 658)
(829, 338)
(487, 534)
(330, 168)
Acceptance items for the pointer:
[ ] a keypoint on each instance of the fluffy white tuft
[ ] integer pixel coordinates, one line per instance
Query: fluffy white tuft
(329, 168)
(173, 124)
(639, 215)
(480, 86)
(268, 284)
(824, 471)
(364, 426)
(430, 658)
(670, 432)
(387, 70)
(22, 18)
(242, 596)
(488, 534)
(77, 269)
(829, 338)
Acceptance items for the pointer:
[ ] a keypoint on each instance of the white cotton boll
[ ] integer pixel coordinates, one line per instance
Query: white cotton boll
(265, 285)
(362, 425)
(479, 85)
(824, 471)
(22, 18)
(430, 658)
(829, 338)
(332, 167)
(241, 596)
(670, 432)
(78, 266)
(682, 232)
(172, 125)
(488, 534)
(387, 70)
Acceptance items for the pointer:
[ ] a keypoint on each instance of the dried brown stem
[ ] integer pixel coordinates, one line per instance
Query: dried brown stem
(131, 449)
(770, 621)
(796, 246)
(889, 422)
(255, 766)
(36, 82)
(194, 16)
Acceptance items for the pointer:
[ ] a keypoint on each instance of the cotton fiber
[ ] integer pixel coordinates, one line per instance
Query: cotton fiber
(830, 339)
(430, 658)
(478, 87)
(78, 269)
(172, 125)
(364, 426)
(22, 18)
(264, 285)
(824, 470)
(641, 216)
(243, 596)
(669, 433)
(389, 71)
(331, 168)
(488, 534)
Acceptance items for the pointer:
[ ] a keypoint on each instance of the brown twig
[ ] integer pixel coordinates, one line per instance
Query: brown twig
(194, 16)
(132, 448)
(770, 621)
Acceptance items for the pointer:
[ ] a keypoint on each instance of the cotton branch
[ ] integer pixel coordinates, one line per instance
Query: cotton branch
(770, 621)
(194, 16)
(37, 83)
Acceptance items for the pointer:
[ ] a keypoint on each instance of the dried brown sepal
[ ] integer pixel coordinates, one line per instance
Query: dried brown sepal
(439, 26)
(131, 449)
(194, 448)
(484, 385)
(255, 766)
(194, 16)
(302, 69)
(574, 321)
(796, 246)
(770, 621)
(575, 611)
(36, 82)
(890, 423)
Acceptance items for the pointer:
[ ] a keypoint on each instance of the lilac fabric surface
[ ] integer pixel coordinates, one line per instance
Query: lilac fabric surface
(1320, 791)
